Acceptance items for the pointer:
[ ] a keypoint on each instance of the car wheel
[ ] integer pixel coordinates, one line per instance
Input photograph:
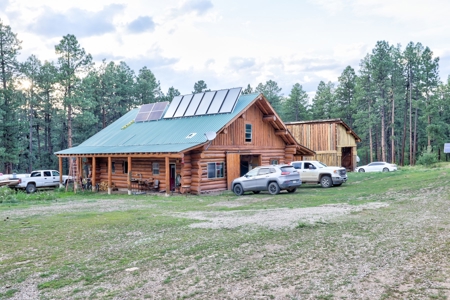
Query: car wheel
(326, 181)
(385, 170)
(238, 190)
(292, 190)
(361, 170)
(256, 192)
(31, 188)
(273, 188)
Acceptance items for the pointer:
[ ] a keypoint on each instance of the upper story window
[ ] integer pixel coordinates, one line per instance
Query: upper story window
(248, 133)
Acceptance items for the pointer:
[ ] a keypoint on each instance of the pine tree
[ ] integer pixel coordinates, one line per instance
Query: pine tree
(9, 98)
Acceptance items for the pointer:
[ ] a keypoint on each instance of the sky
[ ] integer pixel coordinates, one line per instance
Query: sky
(229, 43)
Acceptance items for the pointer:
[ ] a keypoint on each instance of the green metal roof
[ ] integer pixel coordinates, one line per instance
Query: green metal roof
(164, 135)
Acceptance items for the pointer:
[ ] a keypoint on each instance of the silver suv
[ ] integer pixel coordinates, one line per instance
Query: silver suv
(268, 178)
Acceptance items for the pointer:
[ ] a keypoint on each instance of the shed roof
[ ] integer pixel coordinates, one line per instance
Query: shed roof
(166, 135)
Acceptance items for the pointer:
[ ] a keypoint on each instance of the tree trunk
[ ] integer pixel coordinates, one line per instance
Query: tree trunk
(370, 138)
(410, 119)
(383, 136)
(393, 129)
(416, 135)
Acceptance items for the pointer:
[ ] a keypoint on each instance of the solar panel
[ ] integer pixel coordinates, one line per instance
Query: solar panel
(144, 112)
(183, 106)
(213, 102)
(173, 107)
(206, 102)
(194, 105)
(160, 105)
(151, 112)
(158, 110)
(230, 101)
(217, 102)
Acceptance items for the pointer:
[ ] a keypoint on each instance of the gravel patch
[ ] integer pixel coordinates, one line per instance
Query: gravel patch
(274, 218)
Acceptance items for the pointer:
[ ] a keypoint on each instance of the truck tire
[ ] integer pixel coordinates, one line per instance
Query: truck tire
(31, 188)
(326, 182)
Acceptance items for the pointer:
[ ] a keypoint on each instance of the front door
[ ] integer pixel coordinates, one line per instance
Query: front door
(172, 176)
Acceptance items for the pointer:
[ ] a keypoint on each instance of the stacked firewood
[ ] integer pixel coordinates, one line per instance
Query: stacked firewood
(103, 186)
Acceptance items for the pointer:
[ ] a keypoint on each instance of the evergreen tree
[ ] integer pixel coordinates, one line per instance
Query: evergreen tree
(323, 102)
(345, 93)
(171, 93)
(73, 62)
(200, 87)
(147, 87)
(295, 108)
(247, 90)
(10, 101)
(271, 91)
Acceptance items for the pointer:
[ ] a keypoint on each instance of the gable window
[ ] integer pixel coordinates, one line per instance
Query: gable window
(248, 133)
(215, 170)
(125, 167)
(155, 168)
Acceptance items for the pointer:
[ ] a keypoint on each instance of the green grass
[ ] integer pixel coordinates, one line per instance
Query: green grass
(80, 245)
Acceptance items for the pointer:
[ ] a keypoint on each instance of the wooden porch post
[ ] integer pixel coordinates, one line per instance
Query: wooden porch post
(109, 175)
(60, 169)
(167, 176)
(94, 173)
(129, 175)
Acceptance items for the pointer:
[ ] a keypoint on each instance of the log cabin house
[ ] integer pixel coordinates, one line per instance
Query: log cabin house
(333, 141)
(198, 143)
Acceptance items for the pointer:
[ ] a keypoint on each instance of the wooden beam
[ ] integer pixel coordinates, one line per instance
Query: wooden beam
(94, 173)
(130, 167)
(269, 118)
(224, 131)
(109, 175)
(167, 176)
(281, 132)
(60, 169)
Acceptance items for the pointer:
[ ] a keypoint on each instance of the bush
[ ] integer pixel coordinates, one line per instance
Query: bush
(7, 195)
(428, 158)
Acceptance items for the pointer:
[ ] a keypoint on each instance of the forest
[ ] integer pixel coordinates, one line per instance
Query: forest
(395, 102)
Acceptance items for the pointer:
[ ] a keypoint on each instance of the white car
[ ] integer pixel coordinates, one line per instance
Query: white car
(377, 166)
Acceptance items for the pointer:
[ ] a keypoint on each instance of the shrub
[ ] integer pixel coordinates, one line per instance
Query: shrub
(7, 194)
(428, 158)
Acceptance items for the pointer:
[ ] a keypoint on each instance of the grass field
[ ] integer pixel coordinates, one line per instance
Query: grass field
(379, 236)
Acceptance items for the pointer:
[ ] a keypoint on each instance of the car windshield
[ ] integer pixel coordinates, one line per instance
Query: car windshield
(322, 165)
(252, 172)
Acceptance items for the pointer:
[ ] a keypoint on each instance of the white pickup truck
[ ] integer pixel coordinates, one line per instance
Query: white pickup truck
(313, 171)
(41, 179)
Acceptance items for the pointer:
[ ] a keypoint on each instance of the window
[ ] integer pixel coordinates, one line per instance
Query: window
(55, 173)
(274, 162)
(47, 173)
(125, 167)
(215, 170)
(113, 167)
(248, 133)
(264, 171)
(155, 168)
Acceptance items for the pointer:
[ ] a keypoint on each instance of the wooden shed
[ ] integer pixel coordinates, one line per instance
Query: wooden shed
(197, 143)
(333, 141)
